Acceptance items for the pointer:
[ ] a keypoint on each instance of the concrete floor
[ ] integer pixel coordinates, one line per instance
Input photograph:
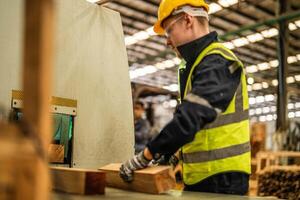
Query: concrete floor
(116, 194)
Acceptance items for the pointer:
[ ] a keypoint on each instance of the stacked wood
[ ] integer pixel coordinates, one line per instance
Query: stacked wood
(280, 183)
(78, 181)
(153, 180)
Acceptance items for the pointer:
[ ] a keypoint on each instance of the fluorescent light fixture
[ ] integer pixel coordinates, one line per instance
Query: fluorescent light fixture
(262, 118)
(292, 27)
(173, 103)
(290, 106)
(297, 105)
(273, 108)
(297, 114)
(252, 100)
(214, 7)
(290, 79)
(274, 63)
(229, 45)
(275, 82)
(260, 99)
(269, 117)
(251, 112)
(227, 3)
(249, 88)
(172, 87)
(292, 59)
(265, 85)
(298, 56)
(270, 32)
(258, 111)
(250, 80)
(297, 23)
(297, 77)
(266, 109)
(291, 115)
(269, 97)
(257, 86)
(263, 66)
(177, 61)
(240, 42)
(255, 37)
(251, 69)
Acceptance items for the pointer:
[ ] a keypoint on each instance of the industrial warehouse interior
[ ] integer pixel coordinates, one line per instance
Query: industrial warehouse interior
(150, 99)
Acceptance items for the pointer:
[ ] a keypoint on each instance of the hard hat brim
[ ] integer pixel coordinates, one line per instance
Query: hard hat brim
(158, 29)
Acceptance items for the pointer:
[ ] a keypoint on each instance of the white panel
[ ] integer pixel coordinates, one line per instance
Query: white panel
(90, 66)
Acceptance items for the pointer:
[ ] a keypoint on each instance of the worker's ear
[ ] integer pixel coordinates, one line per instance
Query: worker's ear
(188, 20)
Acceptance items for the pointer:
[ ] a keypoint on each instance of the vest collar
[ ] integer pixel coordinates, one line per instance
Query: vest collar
(191, 50)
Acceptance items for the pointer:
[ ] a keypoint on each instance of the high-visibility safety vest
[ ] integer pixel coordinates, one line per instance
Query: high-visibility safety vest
(223, 145)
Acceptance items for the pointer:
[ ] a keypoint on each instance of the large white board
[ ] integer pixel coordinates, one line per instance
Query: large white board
(90, 66)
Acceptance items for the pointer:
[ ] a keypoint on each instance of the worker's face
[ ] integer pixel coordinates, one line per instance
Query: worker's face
(175, 28)
(138, 111)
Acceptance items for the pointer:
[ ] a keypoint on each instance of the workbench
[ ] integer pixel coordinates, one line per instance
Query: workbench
(116, 194)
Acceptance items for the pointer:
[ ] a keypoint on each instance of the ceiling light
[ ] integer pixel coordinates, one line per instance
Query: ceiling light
(297, 23)
(292, 59)
(297, 114)
(252, 100)
(251, 69)
(227, 3)
(168, 63)
(270, 32)
(266, 109)
(297, 105)
(290, 106)
(250, 80)
(269, 117)
(260, 99)
(214, 7)
(258, 111)
(172, 87)
(274, 63)
(298, 56)
(269, 97)
(251, 112)
(255, 37)
(290, 79)
(273, 108)
(173, 103)
(176, 60)
(240, 42)
(249, 88)
(263, 66)
(265, 85)
(292, 27)
(262, 118)
(291, 115)
(297, 77)
(257, 86)
(229, 45)
(275, 82)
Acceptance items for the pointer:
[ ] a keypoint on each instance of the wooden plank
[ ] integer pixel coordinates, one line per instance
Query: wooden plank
(154, 180)
(56, 153)
(37, 76)
(78, 181)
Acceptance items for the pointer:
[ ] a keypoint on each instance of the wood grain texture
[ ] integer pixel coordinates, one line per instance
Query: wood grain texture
(154, 180)
(78, 181)
(56, 153)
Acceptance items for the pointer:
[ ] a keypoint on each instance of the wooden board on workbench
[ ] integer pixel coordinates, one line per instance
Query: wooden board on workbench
(154, 180)
(78, 181)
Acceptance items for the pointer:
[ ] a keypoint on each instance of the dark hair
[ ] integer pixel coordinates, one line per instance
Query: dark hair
(139, 103)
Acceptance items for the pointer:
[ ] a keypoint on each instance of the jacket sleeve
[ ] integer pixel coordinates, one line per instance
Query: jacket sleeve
(213, 87)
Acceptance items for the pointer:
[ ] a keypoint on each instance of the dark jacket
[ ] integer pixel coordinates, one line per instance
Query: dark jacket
(212, 81)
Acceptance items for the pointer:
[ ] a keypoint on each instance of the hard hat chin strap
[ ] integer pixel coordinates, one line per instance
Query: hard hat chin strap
(192, 11)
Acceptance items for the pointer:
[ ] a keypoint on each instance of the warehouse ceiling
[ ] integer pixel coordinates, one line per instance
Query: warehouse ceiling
(239, 26)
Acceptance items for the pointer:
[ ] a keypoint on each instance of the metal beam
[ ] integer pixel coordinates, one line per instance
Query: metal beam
(281, 122)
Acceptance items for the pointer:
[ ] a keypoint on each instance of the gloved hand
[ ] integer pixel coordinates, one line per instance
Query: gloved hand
(137, 162)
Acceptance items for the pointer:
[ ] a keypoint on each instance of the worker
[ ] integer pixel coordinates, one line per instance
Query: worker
(141, 127)
(210, 127)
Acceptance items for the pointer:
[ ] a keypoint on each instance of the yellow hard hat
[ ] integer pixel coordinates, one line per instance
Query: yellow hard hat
(166, 7)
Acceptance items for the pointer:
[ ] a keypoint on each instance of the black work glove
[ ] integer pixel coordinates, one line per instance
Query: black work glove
(137, 162)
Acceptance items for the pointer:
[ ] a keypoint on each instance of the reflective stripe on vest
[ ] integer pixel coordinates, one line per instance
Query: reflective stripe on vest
(204, 156)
